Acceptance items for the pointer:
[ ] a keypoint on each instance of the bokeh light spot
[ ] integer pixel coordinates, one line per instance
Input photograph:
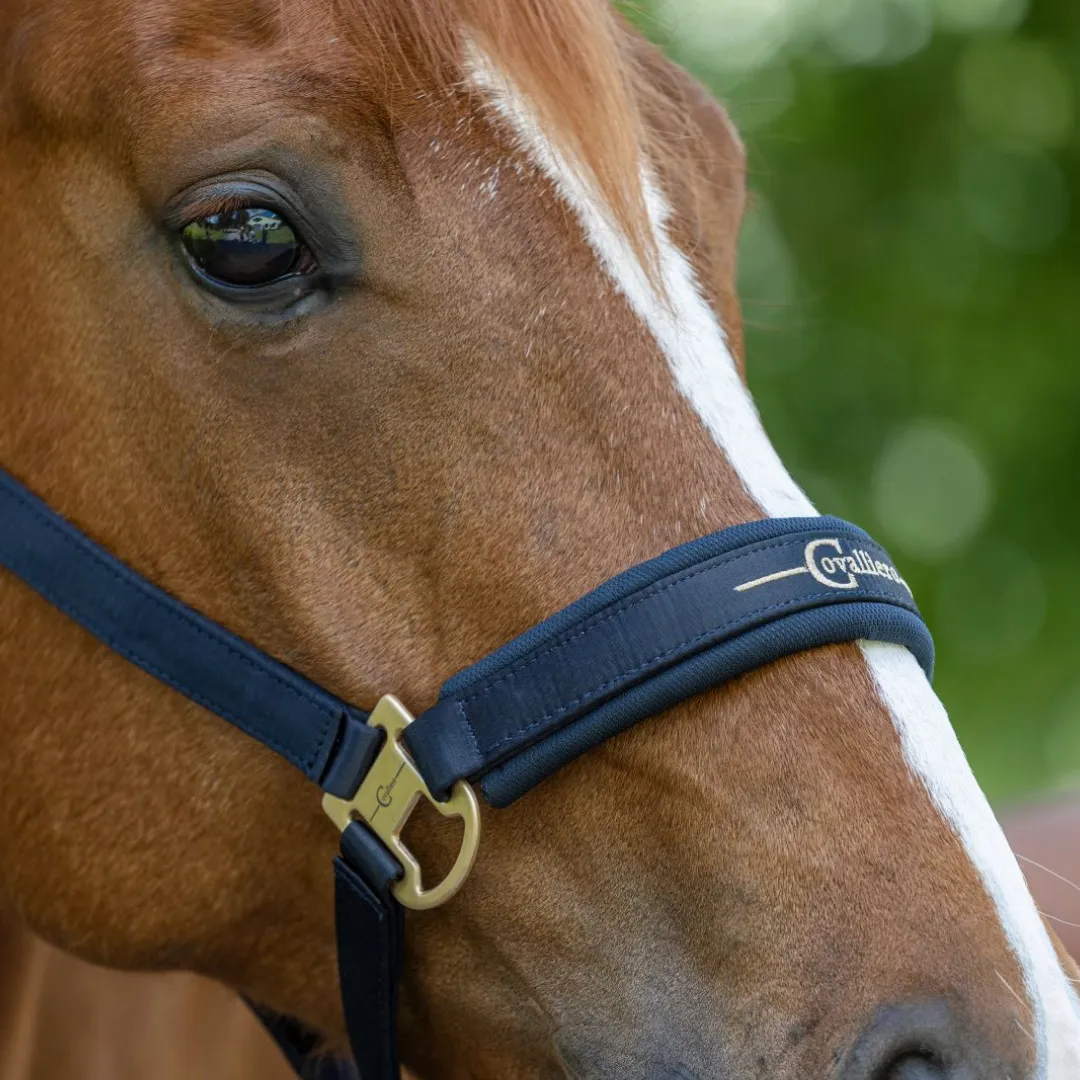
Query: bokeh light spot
(990, 603)
(745, 35)
(971, 15)
(759, 98)
(1019, 202)
(1016, 92)
(932, 490)
(731, 34)
(884, 32)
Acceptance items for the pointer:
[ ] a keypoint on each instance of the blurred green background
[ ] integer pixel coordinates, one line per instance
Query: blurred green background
(911, 285)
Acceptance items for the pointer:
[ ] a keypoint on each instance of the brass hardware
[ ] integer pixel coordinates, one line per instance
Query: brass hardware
(385, 799)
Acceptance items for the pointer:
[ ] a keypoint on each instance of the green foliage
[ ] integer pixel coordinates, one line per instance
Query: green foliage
(911, 284)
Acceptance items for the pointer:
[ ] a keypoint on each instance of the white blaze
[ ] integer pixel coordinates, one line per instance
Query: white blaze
(693, 342)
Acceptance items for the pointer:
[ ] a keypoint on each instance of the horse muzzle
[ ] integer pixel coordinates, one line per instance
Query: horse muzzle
(920, 1042)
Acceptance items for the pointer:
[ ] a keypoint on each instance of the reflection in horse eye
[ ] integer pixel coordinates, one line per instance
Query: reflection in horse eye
(247, 246)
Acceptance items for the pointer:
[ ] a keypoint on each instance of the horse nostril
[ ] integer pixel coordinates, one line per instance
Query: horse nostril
(915, 1041)
(915, 1067)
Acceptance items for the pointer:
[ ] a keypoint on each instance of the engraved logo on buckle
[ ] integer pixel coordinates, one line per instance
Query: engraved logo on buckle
(387, 796)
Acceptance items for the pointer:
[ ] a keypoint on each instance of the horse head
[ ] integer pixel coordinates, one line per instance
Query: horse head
(378, 333)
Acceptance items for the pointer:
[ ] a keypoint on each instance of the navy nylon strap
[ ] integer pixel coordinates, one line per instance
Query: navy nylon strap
(662, 632)
(370, 930)
(370, 946)
(328, 740)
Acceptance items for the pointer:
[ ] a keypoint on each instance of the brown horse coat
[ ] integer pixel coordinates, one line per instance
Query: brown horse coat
(63, 1017)
(516, 373)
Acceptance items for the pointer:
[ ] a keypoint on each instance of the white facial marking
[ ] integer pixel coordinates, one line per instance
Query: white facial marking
(685, 327)
(936, 757)
(692, 341)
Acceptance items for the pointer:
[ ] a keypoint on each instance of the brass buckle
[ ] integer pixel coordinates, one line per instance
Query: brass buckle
(385, 799)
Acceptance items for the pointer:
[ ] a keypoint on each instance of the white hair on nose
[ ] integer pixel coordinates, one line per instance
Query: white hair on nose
(693, 343)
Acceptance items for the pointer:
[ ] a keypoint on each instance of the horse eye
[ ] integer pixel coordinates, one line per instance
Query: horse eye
(248, 246)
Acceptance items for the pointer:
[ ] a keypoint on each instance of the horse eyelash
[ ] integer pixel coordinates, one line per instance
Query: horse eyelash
(218, 203)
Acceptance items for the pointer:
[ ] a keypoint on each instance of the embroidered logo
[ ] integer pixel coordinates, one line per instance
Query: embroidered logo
(839, 570)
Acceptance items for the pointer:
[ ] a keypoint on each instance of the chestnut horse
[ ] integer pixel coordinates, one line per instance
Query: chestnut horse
(486, 354)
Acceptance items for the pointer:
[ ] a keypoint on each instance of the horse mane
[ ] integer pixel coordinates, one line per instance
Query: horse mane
(576, 61)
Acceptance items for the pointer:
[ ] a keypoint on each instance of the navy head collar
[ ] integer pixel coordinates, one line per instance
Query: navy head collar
(661, 632)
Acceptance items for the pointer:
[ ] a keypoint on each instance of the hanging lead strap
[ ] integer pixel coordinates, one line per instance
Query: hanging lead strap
(376, 877)
(370, 947)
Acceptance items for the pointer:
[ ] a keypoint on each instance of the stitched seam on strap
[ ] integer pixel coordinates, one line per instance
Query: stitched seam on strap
(141, 588)
(469, 728)
(368, 897)
(655, 589)
(631, 602)
(563, 709)
(169, 680)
